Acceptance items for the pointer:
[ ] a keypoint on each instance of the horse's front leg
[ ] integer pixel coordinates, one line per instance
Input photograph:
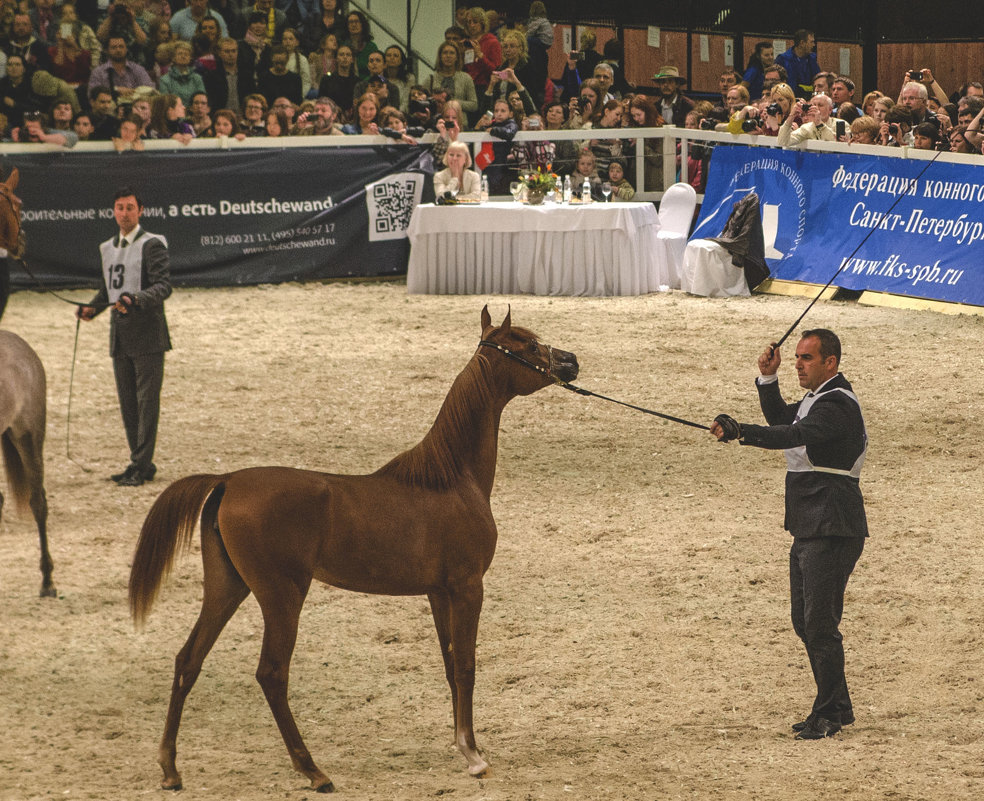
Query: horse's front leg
(466, 606)
(441, 610)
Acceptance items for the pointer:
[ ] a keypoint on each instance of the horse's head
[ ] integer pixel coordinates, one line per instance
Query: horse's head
(10, 216)
(535, 364)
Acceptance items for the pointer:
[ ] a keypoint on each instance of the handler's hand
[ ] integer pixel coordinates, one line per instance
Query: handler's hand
(85, 312)
(725, 428)
(125, 303)
(770, 360)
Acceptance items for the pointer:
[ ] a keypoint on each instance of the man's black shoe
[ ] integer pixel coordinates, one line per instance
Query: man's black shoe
(118, 477)
(149, 473)
(846, 720)
(818, 728)
(132, 480)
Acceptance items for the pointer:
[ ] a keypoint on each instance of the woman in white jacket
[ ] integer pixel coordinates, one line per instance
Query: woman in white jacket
(457, 178)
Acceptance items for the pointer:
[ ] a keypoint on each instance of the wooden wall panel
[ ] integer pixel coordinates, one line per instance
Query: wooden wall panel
(953, 64)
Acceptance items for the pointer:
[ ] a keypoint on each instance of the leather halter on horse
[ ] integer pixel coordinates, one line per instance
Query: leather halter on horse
(567, 385)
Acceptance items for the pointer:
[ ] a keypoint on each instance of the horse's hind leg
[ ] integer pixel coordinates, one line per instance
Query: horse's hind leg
(39, 506)
(281, 600)
(224, 591)
(466, 606)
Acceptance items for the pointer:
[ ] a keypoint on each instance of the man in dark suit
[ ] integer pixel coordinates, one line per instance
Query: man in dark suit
(136, 282)
(232, 79)
(825, 441)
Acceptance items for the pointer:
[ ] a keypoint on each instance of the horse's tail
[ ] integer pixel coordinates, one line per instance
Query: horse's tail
(17, 480)
(167, 531)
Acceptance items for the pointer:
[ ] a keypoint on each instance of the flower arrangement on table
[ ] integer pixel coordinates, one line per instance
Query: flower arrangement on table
(540, 181)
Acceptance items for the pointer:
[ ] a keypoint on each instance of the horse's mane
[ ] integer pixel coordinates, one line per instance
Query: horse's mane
(437, 462)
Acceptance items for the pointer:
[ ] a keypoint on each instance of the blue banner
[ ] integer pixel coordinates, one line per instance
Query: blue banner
(244, 216)
(905, 226)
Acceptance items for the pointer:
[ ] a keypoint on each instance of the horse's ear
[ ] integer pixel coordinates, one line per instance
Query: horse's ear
(486, 318)
(12, 179)
(507, 323)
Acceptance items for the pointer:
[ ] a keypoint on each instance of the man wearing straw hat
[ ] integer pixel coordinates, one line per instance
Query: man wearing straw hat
(674, 106)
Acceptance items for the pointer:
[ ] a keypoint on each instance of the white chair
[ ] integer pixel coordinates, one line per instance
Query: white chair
(708, 267)
(676, 213)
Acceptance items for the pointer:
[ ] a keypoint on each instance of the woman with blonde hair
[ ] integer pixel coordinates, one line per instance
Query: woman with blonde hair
(449, 81)
(869, 101)
(366, 111)
(515, 73)
(483, 53)
(457, 178)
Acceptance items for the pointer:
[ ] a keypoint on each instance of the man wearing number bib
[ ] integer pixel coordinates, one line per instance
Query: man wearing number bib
(136, 281)
(825, 442)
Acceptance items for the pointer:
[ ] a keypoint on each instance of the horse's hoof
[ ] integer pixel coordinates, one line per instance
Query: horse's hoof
(327, 787)
(175, 787)
(49, 592)
(480, 771)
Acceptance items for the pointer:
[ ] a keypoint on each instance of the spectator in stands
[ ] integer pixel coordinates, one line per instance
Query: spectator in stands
(120, 22)
(925, 136)
(502, 127)
(605, 150)
(423, 109)
(22, 42)
(614, 53)
(276, 123)
(167, 120)
(61, 116)
(162, 61)
(105, 123)
(449, 81)
(815, 122)
(69, 61)
(554, 115)
(15, 92)
(914, 98)
(881, 107)
(129, 138)
(932, 87)
(320, 121)
(298, 11)
(255, 46)
(376, 65)
(181, 79)
(227, 124)
(621, 188)
(398, 76)
(532, 154)
(673, 105)
(604, 73)
(822, 82)
(800, 63)
(205, 47)
(340, 85)
(451, 122)
(275, 20)
(514, 59)
(322, 61)
(773, 75)
(841, 91)
(973, 133)
(896, 129)
(329, 21)
(483, 53)
(393, 124)
(160, 33)
(186, 21)
(200, 119)
(366, 113)
(754, 77)
(34, 130)
(82, 126)
(584, 109)
(118, 74)
(735, 101)
(967, 109)
(864, 131)
(869, 101)
(958, 140)
(296, 63)
(360, 40)
(278, 80)
(254, 111)
(457, 179)
(232, 80)
(847, 112)
(43, 22)
(83, 34)
(585, 169)
(539, 39)
(580, 64)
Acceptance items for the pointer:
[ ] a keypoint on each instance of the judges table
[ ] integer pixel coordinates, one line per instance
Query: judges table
(511, 248)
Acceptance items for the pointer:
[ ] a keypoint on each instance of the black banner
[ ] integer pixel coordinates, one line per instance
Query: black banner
(230, 217)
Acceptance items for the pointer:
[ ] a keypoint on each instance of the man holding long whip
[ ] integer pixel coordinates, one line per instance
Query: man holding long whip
(825, 442)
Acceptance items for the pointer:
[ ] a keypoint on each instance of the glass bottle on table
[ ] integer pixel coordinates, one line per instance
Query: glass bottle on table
(485, 189)
(586, 191)
(567, 189)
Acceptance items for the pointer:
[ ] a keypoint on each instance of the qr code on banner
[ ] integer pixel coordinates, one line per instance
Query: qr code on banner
(390, 203)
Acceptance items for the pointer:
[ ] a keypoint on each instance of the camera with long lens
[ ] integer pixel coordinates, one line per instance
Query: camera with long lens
(773, 109)
(893, 129)
(749, 125)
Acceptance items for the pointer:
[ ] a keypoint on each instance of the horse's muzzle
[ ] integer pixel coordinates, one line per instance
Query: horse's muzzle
(563, 365)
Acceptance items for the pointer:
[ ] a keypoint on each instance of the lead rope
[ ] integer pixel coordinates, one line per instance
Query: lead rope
(587, 392)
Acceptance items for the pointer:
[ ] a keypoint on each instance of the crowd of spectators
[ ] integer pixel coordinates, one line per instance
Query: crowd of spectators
(151, 69)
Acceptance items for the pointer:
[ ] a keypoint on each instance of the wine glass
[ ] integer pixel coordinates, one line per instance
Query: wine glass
(515, 189)
(606, 190)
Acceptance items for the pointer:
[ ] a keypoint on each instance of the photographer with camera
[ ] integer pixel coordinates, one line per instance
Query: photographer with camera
(914, 97)
(815, 122)
(35, 131)
(580, 64)
(120, 21)
(896, 129)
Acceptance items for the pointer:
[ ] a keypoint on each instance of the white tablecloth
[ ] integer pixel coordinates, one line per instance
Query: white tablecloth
(511, 248)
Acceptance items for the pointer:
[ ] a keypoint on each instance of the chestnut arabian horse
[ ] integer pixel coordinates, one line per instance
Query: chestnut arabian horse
(420, 525)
